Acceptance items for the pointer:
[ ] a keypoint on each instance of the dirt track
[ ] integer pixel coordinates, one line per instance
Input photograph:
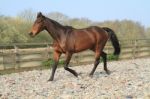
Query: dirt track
(128, 79)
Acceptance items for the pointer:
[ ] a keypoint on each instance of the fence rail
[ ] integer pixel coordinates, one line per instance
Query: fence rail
(32, 55)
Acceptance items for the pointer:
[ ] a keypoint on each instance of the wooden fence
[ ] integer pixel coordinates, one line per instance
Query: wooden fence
(32, 55)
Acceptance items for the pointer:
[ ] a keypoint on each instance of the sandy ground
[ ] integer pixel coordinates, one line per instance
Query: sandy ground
(129, 79)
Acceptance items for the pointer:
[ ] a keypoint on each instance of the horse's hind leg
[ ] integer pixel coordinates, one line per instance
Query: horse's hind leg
(68, 58)
(104, 56)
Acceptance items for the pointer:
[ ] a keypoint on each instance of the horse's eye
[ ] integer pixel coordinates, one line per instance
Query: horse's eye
(39, 21)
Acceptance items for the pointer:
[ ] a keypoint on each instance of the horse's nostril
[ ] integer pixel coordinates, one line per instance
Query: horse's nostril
(30, 33)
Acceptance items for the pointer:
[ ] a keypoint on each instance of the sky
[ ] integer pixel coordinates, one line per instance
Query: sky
(96, 10)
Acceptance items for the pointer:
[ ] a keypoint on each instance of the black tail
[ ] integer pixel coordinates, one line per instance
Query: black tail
(114, 40)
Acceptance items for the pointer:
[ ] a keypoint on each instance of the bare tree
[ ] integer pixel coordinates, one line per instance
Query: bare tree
(28, 15)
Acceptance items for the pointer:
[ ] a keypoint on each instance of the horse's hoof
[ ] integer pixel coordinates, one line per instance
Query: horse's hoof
(76, 75)
(50, 80)
(90, 75)
(108, 72)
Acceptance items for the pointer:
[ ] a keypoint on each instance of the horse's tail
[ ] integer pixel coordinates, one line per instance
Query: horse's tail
(114, 40)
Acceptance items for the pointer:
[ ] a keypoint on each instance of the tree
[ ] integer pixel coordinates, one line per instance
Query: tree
(147, 33)
(9, 32)
(27, 15)
(125, 29)
(16, 29)
(59, 17)
(80, 23)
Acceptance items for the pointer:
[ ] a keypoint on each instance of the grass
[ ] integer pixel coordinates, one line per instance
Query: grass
(50, 61)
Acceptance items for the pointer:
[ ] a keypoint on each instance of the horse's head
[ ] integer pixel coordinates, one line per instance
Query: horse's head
(38, 25)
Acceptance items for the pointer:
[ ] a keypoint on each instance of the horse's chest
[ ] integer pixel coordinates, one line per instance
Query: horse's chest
(64, 45)
(61, 47)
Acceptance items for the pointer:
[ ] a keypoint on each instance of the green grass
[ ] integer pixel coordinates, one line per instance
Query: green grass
(112, 57)
(50, 62)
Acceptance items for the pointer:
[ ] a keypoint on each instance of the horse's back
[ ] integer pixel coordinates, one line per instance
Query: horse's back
(86, 38)
(98, 33)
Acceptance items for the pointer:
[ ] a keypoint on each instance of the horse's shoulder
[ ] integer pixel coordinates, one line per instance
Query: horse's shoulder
(55, 43)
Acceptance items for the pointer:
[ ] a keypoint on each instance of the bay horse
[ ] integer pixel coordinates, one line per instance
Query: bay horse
(69, 40)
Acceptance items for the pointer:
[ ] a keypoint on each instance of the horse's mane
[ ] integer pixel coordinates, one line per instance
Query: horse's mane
(55, 23)
(58, 24)
(69, 27)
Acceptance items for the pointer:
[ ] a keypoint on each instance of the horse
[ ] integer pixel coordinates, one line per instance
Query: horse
(69, 40)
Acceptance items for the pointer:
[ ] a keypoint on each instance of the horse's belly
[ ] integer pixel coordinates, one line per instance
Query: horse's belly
(83, 46)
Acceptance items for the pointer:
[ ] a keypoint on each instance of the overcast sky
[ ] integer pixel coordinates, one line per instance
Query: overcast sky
(96, 10)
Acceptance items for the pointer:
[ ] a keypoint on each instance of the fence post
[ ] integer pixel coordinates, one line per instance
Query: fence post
(134, 49)
(3, 59)
(47, 51)
(17, 57)
(137, 48)
(77, 59)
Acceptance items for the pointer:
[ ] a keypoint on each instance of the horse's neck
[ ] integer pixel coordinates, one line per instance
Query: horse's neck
(57, 32)
(54, 31)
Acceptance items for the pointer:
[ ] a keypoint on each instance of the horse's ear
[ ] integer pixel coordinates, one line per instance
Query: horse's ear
(39, 14)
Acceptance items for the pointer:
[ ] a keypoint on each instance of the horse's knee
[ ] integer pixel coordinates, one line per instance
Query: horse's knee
(97, 62)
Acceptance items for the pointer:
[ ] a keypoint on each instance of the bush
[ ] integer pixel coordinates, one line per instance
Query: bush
(50, 62)
(112, 57)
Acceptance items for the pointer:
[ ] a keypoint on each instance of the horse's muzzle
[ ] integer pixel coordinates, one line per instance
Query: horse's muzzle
(31, 34)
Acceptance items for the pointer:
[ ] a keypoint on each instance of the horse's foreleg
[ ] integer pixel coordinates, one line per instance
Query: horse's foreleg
(68, 58)
(104, 56)
(97, 61)
(56, 60)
